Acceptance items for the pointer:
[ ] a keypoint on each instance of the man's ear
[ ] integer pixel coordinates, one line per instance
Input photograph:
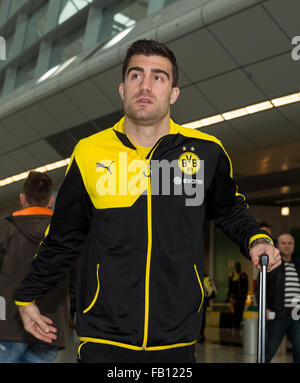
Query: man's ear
(51, 201)
(121, 91)
(23, 200)
(174, 95)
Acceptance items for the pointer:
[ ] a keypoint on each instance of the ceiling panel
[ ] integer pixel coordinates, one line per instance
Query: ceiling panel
(250, 35)
(292, 113)
(25, 159)
(40, 120)
(109, 82)
(190, 106)
(200, 56)
(2, 169)
(231, 91)
(63, 110)
(13, 163)
(183, 78)
(43, 152)
(89, 99)
(3, 147)
(228, 136)
(8, 142)
(286, 14)
(63, 143)
(19, 129)
(266, 129)
(277, 76)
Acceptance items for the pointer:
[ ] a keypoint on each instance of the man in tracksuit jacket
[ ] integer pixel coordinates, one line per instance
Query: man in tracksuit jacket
(139, 225)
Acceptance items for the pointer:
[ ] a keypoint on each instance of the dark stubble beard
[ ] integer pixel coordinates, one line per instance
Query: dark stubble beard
(145, 118)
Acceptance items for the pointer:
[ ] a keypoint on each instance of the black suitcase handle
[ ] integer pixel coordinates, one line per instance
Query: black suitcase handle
(261, 343)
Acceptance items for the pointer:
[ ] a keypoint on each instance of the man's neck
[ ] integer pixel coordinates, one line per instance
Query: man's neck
(286, 258)
(146, 135)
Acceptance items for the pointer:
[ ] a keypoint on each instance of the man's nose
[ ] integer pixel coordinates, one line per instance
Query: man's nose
(146, 84)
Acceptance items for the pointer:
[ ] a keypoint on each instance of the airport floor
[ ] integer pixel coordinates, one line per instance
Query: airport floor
(219, 346)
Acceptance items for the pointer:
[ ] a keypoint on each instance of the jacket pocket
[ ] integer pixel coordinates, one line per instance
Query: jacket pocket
(201, 288)
(96, 293)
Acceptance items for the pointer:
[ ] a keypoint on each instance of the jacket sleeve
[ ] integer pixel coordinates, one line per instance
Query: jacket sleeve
(68, 230)
(228, 208)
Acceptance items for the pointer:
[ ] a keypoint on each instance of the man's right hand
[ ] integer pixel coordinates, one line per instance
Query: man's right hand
(36, 324)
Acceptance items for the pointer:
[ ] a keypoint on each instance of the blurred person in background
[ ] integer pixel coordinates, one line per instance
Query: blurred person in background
(283, 299)
(210, 291)
(20, 235)
(237, 293)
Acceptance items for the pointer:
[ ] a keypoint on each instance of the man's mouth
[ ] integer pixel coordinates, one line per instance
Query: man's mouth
(143, 100)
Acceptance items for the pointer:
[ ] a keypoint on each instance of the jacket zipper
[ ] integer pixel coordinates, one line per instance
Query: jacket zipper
(149, 248)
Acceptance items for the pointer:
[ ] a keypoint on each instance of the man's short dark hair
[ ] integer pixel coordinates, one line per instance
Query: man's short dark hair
(151, 48)
(37, 188)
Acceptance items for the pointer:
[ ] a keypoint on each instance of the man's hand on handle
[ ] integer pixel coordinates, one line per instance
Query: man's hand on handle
(265, 248)
(36, 324)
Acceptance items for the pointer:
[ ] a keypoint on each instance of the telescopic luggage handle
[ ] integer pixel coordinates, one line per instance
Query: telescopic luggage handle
(261, 344)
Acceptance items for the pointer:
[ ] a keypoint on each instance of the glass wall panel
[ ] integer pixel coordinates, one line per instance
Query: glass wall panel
(70, 7)
(26, 72)
(8, 46)
(1, 85)
(36, 25)
(121, 16)
(68, 46)
(168, 2)
(8, 41)
(14, 5)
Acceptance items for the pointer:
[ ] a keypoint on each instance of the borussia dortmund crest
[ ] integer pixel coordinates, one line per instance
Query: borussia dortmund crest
(189, 163)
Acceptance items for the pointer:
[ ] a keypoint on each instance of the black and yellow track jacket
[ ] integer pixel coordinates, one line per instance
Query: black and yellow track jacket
(140, 283)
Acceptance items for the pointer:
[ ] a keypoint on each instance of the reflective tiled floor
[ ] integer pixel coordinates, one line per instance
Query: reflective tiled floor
(226, 346)
(220, 346)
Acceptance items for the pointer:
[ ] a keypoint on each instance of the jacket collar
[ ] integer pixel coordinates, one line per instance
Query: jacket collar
(33, 210)
(119, 130)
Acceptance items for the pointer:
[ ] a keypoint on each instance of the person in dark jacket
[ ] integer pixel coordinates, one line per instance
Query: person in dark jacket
(133, 204)
(283, 299)
(237, 293)
(210, 291)
(20, 235)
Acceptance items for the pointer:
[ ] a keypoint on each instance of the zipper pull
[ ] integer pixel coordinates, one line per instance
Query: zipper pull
(147, 172)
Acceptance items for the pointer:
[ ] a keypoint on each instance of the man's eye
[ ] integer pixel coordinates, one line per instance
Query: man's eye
(136, 75)
(158, 78)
